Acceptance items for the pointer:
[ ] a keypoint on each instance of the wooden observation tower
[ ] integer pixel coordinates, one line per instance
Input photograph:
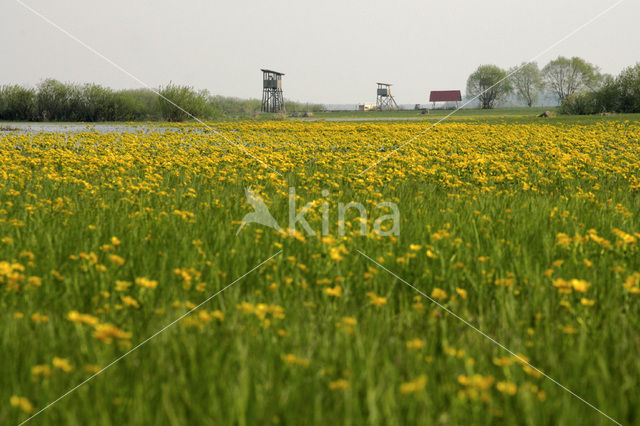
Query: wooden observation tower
(384, 99)
(272, 98)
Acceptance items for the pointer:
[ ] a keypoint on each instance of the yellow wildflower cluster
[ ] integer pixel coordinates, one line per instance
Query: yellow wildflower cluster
(567, 286)
(416, 385)
(632, 283)
(295, 360)
(263, 311)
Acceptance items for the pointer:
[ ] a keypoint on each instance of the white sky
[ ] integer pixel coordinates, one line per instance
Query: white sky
(332, 51)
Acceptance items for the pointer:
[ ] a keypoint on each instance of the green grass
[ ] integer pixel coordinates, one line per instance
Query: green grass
(61, 196)
(496, 116)
(466, 113)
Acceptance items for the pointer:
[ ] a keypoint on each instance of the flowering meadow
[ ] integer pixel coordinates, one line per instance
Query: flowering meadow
(527, 231)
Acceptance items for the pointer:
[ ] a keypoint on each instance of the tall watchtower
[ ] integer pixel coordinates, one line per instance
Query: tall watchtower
(272, 99)
(384, 100)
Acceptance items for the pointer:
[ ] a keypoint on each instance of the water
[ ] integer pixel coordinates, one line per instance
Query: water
(81, 127)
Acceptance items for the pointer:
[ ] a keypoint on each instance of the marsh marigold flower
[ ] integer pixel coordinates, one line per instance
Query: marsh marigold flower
(415, 344)
(339, 384)
(509, 388)
(335, 291)
(22, 403)
(438, 294)
(63, 364)
(376, 300)
(146, 283)
(414, 386)
(76, 316)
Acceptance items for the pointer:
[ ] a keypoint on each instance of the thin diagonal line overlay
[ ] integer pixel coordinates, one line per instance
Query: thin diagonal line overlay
(563, 39)
(147, 340)
(494, 341)
(94, 51)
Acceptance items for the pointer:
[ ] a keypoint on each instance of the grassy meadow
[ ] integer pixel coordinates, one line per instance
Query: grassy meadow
(527, 229)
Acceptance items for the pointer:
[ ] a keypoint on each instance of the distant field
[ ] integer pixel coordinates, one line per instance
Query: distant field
(494, 116)
(470, 112)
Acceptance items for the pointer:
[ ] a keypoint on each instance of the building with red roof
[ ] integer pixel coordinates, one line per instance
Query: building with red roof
(445, 96)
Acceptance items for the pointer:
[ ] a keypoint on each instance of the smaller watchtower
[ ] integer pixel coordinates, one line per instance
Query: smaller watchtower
(384, 99)
(272, 98)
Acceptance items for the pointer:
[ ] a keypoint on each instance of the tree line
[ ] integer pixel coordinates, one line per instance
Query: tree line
(578, 85)
(52, 100)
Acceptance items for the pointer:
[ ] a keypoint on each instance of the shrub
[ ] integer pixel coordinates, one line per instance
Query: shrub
(581, 103)
(17, 103)
(180, 103)
(628, 85)
(621, 94)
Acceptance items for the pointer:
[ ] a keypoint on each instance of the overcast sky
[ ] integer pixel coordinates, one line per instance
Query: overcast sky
(331, 51)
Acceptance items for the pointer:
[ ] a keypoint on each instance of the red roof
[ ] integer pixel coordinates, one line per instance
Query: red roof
(445, 96)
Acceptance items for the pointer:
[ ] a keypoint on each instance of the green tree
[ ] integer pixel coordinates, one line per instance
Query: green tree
(489, 84)
(564, 76)
(526, 80)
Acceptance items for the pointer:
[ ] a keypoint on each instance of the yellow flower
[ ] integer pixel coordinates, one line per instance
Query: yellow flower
(41, 370)
(62, 363)
(507, 282)
(39, 318)
(339, 384)
(130, 301)
(349, 320)
(415, 385)
(632, 283)
(35, 281)
(580, 285)
(91, 368)
(105, 333)
(296, 360)
(76, 316)
(146, 283)
(122, 285)
(503, 361)
(587, 302)
(461, 292)
(21, 402)
(415, 344)
(531, 371)
(335, 253)
(117, 260)
(509, 388)
(563, 239)
(376, 300)
(335, 291)
(438, 294)
(477, 381)
(346, 324)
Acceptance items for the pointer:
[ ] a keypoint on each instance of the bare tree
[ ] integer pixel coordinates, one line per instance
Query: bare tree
(565, 76)
(526, 80)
